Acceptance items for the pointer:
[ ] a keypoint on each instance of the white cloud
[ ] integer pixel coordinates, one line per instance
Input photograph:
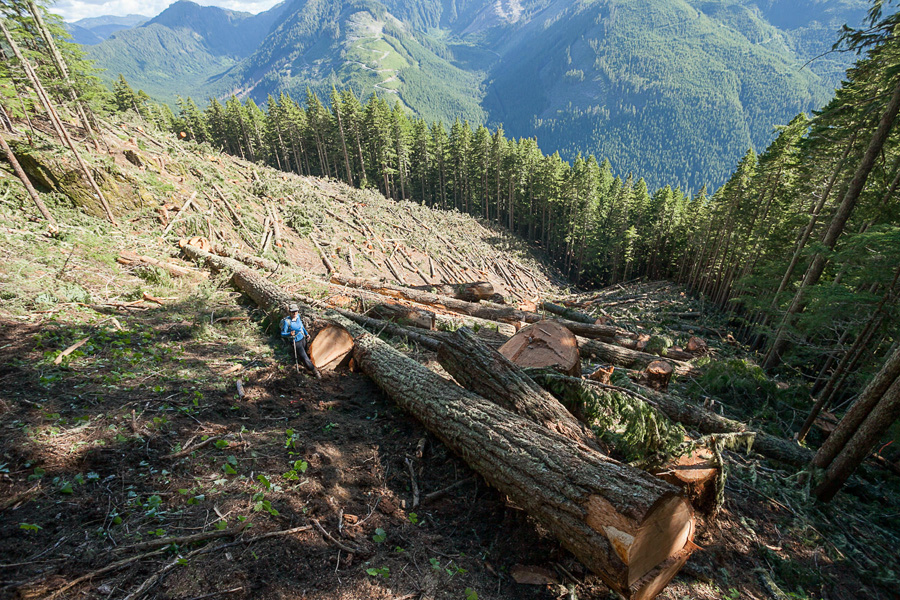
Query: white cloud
(73, 10)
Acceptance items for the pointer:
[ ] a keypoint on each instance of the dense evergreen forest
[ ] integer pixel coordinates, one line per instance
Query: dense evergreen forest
(801, 247)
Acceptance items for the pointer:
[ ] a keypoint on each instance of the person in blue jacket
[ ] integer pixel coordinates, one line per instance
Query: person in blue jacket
(294, 333)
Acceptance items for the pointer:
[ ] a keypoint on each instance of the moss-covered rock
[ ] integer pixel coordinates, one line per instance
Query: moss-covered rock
(61, 173)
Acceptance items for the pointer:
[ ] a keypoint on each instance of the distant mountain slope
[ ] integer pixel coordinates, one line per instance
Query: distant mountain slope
(672, 90)
(662, 89)
(361, 45)
(93, 30)
(182, 48)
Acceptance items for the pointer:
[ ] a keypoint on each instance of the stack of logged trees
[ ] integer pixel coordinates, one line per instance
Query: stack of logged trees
(632, 529)
(608, 343)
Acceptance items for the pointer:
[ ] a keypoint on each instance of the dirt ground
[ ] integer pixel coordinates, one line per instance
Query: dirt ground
(83, 455)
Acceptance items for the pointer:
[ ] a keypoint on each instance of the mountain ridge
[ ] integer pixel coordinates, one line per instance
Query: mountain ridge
(623, 81)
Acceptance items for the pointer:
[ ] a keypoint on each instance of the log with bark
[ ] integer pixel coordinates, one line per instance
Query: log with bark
(567, 313)
(400, 313)
(495, 377)
(248, 259)
(544, 344)
(471, 292)
(268, 296)
(625, 357)
(131, 259)
(428, 339)
(705, 421)
(657, 444)
(484, 310)
(630, 528)
(447, 321)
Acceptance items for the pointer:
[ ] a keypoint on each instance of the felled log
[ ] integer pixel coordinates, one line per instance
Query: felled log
(568, 313)
(544, 344)
(399, 313)
(484, 310)
(493, 376)
(248, 259)
(130, 259)
(448, 321)
(677, 354)
(625, 357)
(323, 255)
(630, 528)
(331, 347)
(428, 339)
(268, 296)
(658, 375)
(471, 292)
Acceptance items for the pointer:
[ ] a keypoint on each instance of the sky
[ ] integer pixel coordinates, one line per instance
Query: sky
(73, 10)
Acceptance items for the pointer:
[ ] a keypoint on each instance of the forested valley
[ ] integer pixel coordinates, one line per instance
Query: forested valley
(149, 256)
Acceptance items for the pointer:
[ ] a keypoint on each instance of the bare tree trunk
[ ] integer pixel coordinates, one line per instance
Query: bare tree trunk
(63, 71)
(861, 345)
(859, 412)
(837, 225)
(32, 78)
(858, 447)
(30, 188)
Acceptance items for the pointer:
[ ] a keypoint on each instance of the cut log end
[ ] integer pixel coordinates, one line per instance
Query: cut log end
(331, 348)
(697, 345)
(652, 584)
(665, 532)
(544, 344)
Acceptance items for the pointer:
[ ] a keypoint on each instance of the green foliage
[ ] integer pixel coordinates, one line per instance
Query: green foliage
(637, 430)
(384, 572)
(738, 380)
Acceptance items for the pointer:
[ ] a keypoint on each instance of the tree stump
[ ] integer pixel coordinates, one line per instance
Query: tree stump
(658, 375)
(602, 374)
(696, 474)
(697, 345)
(544, 344)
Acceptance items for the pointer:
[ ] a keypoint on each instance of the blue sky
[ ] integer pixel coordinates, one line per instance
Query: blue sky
(73, 10)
